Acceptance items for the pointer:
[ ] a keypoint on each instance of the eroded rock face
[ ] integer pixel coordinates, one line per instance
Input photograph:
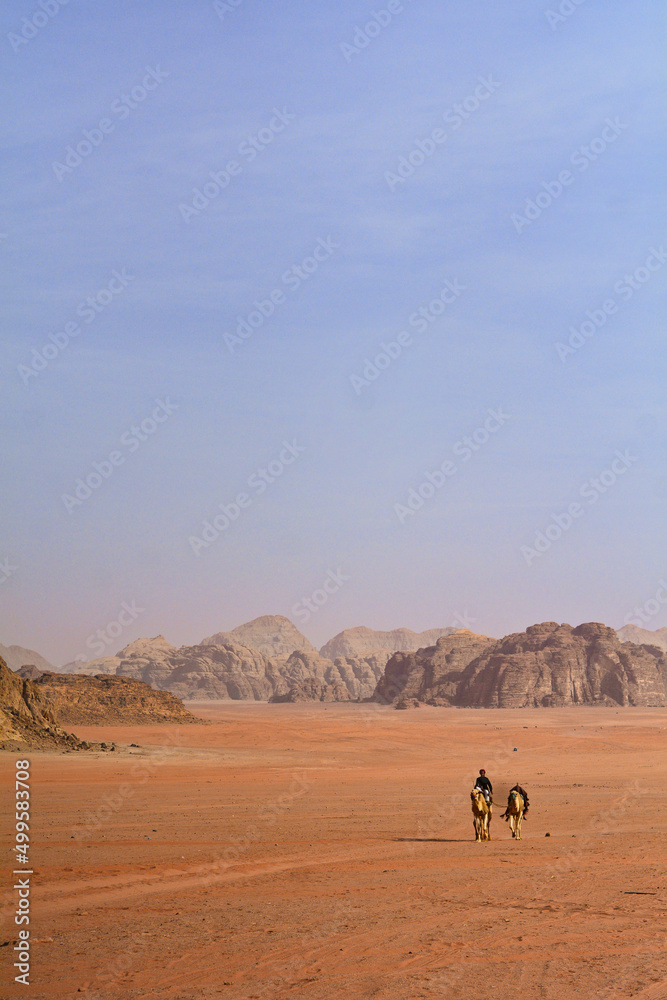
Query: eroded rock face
(547, 665)
(354, 678)
(313, 689)
(108, 700)
(273, 635)
(362, 640)
(27, 719)
(432, 674)
(232, 671)
(643, 636)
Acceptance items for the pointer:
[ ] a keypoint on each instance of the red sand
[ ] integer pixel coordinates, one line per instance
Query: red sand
(355, 873)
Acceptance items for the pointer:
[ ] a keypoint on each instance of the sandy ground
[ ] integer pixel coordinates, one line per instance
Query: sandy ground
(327, 851)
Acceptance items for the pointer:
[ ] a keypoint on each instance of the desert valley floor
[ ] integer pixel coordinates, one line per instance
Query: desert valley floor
(316, 851)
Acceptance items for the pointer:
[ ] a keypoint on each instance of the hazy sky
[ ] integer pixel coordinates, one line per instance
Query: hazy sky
(498, 161)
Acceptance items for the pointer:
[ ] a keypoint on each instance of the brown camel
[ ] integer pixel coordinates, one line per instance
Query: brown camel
(515, 810)
(482, 814)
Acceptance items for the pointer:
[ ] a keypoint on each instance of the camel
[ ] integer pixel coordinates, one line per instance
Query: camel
(482, 814)
(515, 810)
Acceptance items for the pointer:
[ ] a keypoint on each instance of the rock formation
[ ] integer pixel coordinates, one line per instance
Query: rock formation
(273, 635)
(643, 636)
(229, 670)
(313, 689)
(17, 656)
(547, 665)
(107, 700)
(362, 640)
(353, 678)
(27, 720)
(432, 674)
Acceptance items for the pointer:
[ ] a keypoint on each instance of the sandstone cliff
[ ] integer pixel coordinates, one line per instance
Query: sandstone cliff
(349, 678)
(107, 700)
(643, 636)
(26, 717)
(273, 635)
(362, 640)
(432, 674)
(230, 670)
(313, 689)
(547, 665)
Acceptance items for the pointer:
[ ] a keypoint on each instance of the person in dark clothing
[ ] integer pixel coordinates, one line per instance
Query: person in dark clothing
(483, 783)
(524, 795)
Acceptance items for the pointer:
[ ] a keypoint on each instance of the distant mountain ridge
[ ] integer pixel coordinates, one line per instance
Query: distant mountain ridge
(642, 636)
(276, 662)
(361, 640)
(18, 656)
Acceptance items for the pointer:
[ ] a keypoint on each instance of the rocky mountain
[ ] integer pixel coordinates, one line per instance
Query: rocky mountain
(643, 636)
(18, 656)
(106, 700)
(109, 664)
(547, 665)
(313, 689)
(273, 635)
(27, 720)
(348, 678)
(232, 671)
(362, 640)
(432, 674)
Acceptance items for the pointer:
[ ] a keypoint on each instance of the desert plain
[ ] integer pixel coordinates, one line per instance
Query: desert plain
(310, 851)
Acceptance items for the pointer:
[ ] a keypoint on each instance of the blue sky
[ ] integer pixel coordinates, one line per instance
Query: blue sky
(330, 125)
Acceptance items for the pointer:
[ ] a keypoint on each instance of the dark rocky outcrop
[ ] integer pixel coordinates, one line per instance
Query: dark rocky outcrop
(547, 665)
(27, 720)
(107, 700)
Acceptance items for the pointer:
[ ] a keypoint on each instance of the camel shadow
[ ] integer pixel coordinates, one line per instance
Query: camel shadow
(429, 840)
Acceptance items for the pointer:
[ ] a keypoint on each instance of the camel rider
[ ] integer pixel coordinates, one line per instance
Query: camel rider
(485, 786)
(524, 795)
